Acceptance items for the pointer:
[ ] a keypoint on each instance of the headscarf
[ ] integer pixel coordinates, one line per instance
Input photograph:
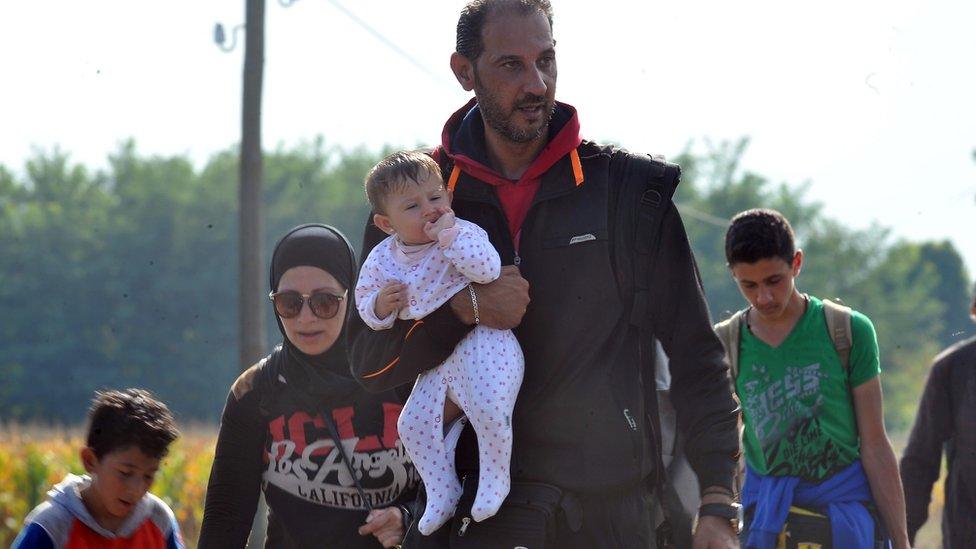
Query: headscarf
(325, 377)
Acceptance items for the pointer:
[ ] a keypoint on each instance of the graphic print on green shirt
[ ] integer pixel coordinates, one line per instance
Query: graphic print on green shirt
(796, 398)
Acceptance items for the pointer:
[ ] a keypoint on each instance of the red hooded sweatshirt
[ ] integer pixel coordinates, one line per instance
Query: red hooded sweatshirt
(463, 140)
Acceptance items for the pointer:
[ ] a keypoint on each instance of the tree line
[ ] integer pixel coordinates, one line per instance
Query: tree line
(127, 276)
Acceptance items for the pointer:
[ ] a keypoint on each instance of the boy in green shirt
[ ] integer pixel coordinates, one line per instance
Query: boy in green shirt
(814, 434)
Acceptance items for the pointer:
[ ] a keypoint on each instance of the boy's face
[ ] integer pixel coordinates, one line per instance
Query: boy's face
(768, 284)
(119, 480)
(411, 206)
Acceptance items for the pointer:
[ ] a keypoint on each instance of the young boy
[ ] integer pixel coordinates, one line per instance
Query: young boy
(128, 434)
(814, 434)
(428, 257)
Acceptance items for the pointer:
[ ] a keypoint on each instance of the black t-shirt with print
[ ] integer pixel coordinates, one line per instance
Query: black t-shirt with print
(268, 439)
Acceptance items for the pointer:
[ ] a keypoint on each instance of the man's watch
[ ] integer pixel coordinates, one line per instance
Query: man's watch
(727, 511)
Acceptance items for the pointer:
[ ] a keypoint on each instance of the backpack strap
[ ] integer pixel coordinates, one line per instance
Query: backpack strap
(729, 332)
(838, 319)
(658, 179)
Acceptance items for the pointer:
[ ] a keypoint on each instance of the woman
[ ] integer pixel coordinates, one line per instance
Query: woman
(276, 427)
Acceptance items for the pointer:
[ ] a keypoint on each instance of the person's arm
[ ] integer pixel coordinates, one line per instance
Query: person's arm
(174, 540)
(707, 412)
(370, 287)
(33, 536)
(390, 358)
(879, 461)
(921, 461)
(235, 477)
(471, 253)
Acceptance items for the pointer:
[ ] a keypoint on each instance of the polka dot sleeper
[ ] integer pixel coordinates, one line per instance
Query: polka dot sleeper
(482, 376)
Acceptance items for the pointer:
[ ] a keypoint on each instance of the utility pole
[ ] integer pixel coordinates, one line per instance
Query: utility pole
(250, 220)
(251, 224)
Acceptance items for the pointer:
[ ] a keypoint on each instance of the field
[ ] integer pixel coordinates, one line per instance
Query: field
(34, 458)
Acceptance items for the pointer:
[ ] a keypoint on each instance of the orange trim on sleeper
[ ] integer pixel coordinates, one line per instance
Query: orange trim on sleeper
(385, 368)
(397, 359)
(412, 328)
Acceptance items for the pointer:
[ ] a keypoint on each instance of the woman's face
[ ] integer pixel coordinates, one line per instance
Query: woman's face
(310, 334)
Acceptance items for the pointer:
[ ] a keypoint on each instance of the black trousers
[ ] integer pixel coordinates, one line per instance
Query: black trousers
(617, 520)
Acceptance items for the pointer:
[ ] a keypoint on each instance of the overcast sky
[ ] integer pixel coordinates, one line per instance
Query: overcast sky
(873, 102)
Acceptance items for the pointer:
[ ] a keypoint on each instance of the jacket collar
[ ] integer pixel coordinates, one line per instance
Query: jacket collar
(463, 140)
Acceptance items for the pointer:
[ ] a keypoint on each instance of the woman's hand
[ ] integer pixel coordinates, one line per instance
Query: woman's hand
(386, 525)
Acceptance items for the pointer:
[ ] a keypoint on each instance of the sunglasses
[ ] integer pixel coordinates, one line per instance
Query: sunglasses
(289, 304)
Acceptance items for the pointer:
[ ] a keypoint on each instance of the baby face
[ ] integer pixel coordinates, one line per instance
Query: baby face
(411, 206)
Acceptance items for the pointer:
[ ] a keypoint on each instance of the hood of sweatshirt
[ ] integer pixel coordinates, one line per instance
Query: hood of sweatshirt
(67, 494)
(463, 140)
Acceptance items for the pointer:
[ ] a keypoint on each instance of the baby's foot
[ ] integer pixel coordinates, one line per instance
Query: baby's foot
(441, 502)
(491, 494)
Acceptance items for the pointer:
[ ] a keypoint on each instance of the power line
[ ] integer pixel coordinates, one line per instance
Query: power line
(702, 216)
(389, 43)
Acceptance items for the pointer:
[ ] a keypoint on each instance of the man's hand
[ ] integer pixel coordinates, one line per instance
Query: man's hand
(392, 297)
(501, 303)
(714, 533)
(445, 219)
(386, 525)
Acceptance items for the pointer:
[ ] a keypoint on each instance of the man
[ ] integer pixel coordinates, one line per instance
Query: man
(946, 419)
(806, 372)
(584, 454)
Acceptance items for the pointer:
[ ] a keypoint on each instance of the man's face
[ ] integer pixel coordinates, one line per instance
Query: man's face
(767, 284)
(515, 76)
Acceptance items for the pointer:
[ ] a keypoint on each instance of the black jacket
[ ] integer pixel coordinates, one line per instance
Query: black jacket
(946, 419)
(270, 438)
(579, 422)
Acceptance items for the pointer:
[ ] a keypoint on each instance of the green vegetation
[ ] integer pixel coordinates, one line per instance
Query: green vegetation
(127, 276)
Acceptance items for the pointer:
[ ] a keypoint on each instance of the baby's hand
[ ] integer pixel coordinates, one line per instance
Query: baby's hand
(392, 297)
(444, 221)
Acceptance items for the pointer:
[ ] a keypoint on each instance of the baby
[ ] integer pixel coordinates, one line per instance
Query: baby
(429, 256)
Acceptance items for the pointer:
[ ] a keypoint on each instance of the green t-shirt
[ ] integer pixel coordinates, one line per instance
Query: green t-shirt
(796, 398)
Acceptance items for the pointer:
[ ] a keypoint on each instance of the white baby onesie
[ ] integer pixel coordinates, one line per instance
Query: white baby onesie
(482, 376)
